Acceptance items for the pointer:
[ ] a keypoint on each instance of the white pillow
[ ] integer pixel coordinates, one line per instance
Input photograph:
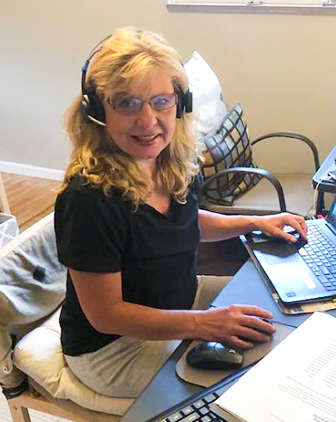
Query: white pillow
(208, 99)
(39, 355)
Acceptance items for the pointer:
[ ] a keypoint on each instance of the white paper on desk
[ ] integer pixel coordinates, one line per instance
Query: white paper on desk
(295, 382)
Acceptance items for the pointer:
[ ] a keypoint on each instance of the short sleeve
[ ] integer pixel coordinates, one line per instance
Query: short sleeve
(91, 230)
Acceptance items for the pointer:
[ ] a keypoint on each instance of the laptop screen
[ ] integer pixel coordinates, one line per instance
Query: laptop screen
(331, 218)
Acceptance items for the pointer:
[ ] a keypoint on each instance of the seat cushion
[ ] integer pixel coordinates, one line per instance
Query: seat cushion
(263, 199)
(73, 410)
(39, 355)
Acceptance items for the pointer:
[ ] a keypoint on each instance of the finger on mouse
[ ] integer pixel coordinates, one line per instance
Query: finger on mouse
(267, 326)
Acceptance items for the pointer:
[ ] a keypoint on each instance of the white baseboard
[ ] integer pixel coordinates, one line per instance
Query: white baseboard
(32, 171)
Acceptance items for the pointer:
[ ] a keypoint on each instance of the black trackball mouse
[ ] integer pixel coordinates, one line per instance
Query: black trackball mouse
(214, 355)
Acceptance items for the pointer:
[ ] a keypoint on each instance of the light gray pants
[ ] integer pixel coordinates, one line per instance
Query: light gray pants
(124, 367)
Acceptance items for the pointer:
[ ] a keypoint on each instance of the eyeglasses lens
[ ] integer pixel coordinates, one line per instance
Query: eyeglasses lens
(130, 105)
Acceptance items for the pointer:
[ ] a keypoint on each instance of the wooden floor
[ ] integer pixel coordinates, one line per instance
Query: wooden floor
(30, 198)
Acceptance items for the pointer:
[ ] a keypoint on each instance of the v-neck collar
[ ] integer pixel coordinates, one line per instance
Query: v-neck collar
(156, 211)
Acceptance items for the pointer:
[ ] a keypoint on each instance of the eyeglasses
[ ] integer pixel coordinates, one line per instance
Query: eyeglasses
(132, 105)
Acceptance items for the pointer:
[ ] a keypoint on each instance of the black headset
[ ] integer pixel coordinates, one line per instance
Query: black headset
(92, 106)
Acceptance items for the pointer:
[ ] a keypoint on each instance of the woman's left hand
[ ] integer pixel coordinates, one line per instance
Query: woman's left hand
(273, 225)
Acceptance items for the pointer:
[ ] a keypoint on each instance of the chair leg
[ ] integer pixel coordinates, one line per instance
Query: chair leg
(18, 412)
(4, 206)
(19, 408)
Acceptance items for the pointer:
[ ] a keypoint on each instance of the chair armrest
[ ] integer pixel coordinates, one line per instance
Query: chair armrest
(261, 172)
(296, 136)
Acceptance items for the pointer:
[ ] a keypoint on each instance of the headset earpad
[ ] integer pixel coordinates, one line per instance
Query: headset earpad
(92, 105)
(184, 103)
(179, 106)
(188, 102)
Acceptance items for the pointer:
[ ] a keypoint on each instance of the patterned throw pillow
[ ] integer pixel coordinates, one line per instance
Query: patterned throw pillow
(228, 147)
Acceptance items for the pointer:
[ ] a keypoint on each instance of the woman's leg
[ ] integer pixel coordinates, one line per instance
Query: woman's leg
(124, 367)
(208, 288)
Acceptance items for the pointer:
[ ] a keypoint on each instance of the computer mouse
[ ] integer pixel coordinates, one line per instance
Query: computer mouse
(259, 235)
(299, 243)
(214, 355)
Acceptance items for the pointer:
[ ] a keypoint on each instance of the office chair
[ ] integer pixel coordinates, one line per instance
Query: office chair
(233, 184)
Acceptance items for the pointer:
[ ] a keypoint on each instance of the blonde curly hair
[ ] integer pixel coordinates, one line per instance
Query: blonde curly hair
(127, 55)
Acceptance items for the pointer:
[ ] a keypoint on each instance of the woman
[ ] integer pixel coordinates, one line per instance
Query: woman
(128, 225)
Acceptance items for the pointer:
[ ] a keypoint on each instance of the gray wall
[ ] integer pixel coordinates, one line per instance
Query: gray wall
(280, 67)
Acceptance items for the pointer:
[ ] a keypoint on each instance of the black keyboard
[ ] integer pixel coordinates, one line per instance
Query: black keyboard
(320, 256)
(197, 407)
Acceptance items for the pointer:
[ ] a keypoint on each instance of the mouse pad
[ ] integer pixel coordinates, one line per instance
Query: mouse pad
(208, 377)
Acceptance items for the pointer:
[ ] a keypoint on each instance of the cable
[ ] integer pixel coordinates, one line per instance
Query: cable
(315, 197)
(282, 323)
(328, 176)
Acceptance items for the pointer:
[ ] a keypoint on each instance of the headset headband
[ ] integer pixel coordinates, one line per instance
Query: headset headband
(92, 106)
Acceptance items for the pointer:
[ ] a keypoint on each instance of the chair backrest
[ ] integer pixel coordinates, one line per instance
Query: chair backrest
(263, 199)
(32, 286)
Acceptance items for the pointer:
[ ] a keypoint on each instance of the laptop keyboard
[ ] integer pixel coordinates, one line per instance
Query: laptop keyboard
(198, 411)
(320, 256)
(197, 408)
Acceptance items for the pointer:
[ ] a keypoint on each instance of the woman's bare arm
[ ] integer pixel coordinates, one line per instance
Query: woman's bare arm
(215, 226)
(101, 300)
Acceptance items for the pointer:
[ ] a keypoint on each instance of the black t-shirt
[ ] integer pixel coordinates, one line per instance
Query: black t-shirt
(155, 254)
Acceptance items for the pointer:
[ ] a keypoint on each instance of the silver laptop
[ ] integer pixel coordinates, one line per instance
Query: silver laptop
(302, 272)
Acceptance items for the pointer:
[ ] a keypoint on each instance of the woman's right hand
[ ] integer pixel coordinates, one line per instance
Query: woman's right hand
(100, 297)
(240, 326)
